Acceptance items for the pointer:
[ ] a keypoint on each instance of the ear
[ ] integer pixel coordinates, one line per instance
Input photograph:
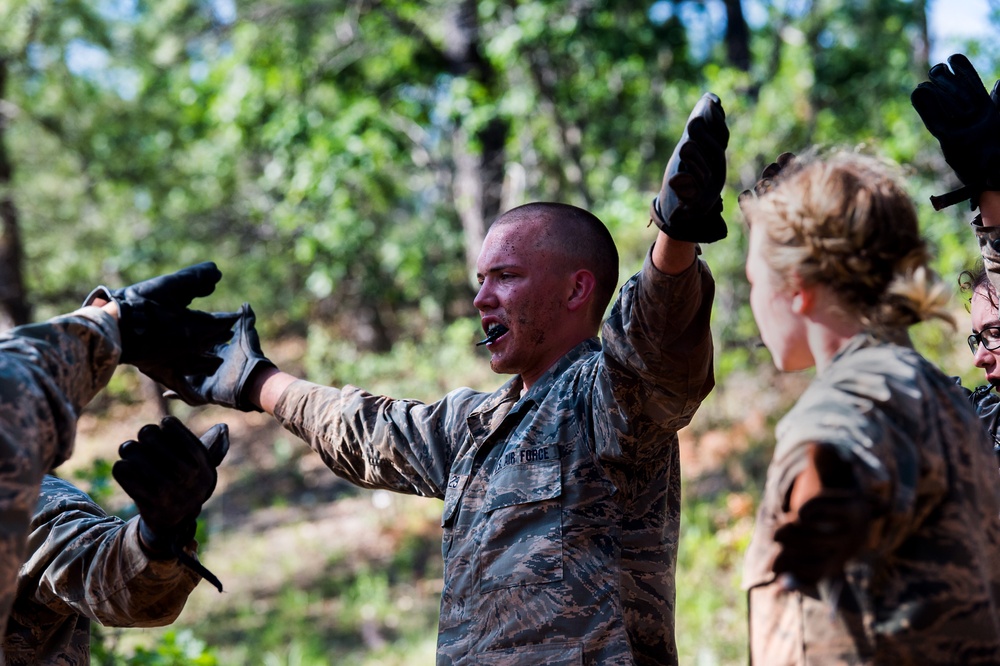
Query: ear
(582, 284)
(803, 298)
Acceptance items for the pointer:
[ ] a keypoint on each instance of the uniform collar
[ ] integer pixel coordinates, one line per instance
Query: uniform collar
(507, 399)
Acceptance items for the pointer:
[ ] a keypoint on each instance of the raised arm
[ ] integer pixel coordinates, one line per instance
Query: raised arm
(688, 209)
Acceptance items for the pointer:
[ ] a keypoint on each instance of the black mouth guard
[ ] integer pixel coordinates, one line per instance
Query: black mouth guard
(492, 336)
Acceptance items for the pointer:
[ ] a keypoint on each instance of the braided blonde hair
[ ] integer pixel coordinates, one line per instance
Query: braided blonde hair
(845, 222)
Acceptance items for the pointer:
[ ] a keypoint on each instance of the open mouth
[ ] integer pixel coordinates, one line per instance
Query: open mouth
(493, 334)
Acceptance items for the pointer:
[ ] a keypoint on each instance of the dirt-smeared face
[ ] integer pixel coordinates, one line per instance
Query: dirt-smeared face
(523, 287)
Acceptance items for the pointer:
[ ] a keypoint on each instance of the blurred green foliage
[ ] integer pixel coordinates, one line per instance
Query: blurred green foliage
(174, 648)
(312, 150)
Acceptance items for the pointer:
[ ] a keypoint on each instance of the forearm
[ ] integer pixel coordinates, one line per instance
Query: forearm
(67, 359)
(82, 561)
(125, 588)
(48, 372)
(672, 257)
(378, 442)
(267, 386)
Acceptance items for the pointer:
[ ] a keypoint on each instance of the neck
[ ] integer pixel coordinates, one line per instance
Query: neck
(828, 334)
(529, 378)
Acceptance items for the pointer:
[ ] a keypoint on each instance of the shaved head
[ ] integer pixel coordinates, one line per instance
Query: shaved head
(575, 238)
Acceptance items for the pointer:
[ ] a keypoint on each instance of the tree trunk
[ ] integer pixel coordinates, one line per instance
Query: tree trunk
(922, 47)
(479, 174)
(737, 36)
(14, 308)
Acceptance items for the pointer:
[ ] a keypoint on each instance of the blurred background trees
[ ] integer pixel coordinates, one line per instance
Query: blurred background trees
(341, 160)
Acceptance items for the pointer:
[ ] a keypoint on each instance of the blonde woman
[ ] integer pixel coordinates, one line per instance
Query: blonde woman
(877, 538)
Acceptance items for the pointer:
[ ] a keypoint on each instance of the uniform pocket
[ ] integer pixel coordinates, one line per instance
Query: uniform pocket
(452, 495)
(522, 542)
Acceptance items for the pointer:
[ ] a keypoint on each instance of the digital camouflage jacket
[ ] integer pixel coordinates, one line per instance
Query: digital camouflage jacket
(48, 372)
(561, 507)
(83, 566)
(986, 402)
(926, 590)
(989, 247)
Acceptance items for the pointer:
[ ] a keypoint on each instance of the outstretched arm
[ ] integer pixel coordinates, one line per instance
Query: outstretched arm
(267, 386)
(123, 586)
(48, 372)
(170, 473)
(688, 209)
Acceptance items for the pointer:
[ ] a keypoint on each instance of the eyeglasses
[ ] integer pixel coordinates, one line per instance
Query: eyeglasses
(989, 337)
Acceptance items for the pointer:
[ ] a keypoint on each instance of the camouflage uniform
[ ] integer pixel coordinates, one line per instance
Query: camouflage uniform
(986, 402)
(84, 566)
(989, 246)
(561, 507)
(48, 372)
(927, 588)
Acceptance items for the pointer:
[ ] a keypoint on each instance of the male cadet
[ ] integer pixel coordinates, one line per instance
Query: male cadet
(561, 489)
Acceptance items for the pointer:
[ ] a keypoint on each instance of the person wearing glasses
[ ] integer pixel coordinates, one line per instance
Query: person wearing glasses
(984, 342)
(965, 119)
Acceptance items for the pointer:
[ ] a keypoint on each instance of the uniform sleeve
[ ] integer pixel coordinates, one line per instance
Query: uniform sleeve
(83, 562)
(379, 442)
(657, 357)
(895, 419)
(48, 372)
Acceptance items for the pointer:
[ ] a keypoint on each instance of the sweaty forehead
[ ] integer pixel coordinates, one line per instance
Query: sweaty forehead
(517, 241)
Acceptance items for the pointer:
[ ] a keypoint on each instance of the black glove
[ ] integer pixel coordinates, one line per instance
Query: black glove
(169, 474)
(240, 358)
(160, 335)
(957, 110)
(689, 205)
(767, 177)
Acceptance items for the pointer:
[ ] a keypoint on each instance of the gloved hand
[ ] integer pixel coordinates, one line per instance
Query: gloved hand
(965, 120)
(767, 176)
(689, 205)
(240, 358)
(160, 335)
(169, 474)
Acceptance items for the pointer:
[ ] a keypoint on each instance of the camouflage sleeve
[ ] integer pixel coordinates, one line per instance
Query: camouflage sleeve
(989, 246)
(379, 442)
(863, 436)
(883, 408)
(658, 349)
(48, 372)
(83, 562)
